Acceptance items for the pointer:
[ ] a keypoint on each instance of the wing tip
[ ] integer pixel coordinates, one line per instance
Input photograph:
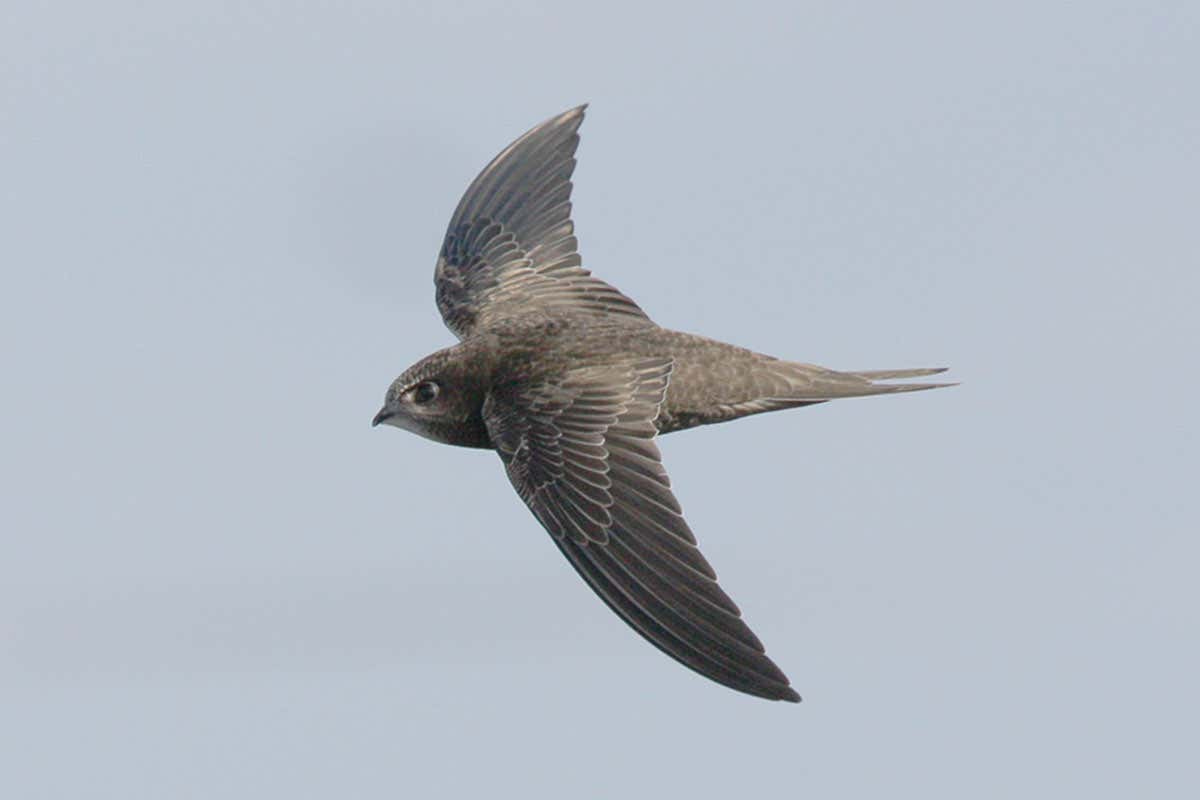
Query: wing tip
(770, 690)
(789, 695)
(572, 117)
(781, 692)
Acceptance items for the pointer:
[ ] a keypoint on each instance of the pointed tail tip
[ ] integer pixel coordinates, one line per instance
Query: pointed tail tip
(875, 375)
(887, 374)
(916, 387)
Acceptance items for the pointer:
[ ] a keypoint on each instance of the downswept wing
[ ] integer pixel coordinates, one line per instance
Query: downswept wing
(511, 245)
(580, 452)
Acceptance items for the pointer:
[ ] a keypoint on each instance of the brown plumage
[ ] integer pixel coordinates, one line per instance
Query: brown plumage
(570, 382)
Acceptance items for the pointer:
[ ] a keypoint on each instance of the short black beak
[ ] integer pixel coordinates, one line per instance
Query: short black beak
(380, 417)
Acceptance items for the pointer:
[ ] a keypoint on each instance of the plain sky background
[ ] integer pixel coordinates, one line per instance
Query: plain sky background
(219, 229)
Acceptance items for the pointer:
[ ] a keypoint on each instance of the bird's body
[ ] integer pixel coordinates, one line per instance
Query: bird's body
(570, 382)
(711, 381)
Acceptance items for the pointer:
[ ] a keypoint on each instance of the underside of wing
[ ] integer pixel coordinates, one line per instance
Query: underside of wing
(580, 451)
(511, 245)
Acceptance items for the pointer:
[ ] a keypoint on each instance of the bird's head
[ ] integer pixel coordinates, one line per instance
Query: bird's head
(437, 398)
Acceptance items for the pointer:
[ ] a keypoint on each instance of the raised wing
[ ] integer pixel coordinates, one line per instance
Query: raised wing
(511, 244)
(580, 451)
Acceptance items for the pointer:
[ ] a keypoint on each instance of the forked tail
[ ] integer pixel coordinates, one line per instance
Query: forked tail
(813, 383)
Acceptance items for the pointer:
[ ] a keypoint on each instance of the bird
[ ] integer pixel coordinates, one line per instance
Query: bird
(571, 383)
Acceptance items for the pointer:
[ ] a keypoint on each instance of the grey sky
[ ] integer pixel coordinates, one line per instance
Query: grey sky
(219, 227)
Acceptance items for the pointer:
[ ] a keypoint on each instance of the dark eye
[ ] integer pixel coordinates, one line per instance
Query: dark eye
(425, 391)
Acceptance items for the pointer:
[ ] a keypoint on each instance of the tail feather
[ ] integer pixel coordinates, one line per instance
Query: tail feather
(893, 388)
(773, 384)
(884, 374)
(811, 383)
